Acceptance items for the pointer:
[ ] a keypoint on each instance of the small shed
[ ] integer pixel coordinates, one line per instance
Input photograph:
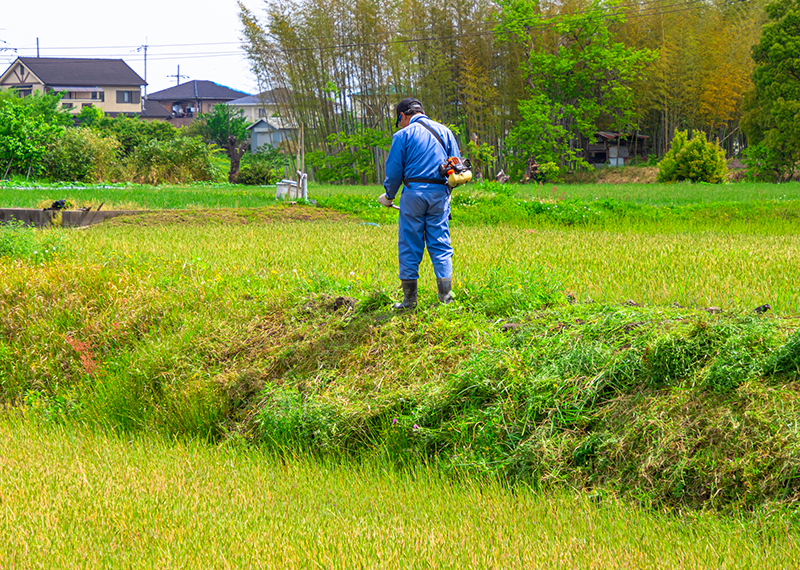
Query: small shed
(615, 149)
(271, 131)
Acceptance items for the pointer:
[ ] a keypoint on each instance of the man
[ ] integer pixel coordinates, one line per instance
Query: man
(418, 148)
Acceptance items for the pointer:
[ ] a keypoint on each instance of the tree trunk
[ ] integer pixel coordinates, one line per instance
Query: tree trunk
(236, 150)
(531, 171)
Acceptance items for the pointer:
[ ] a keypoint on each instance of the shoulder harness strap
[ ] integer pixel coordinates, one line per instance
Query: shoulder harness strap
(441, 142)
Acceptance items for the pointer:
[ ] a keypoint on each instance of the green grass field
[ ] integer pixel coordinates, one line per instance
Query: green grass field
(603, 344)
(122, 196)
(77, 498)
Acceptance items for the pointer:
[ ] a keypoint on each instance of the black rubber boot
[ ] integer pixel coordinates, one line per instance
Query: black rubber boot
(445, 286)
(409, 295)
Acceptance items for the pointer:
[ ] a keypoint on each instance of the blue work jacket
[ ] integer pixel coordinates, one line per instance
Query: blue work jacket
(416, 153)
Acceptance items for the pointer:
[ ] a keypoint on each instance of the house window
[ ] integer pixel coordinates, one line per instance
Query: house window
(262, 112)
(84, 105)
(98, 96)
(128, 97)
(66, 105)
(24, 90)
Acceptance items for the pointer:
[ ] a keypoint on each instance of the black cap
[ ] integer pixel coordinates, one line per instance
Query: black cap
(407, 105)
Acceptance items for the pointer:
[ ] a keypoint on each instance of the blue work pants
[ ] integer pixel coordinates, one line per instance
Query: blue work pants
(424, 221)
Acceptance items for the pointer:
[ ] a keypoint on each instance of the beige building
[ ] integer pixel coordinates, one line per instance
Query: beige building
(108, 84)
(273, 103)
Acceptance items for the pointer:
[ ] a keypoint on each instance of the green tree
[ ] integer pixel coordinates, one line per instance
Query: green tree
(40, 106)
(226, 126)
(222, 122)
(696, 159)
(25, 130)
(576, 75)
(703, 67)
(772, 119)
(344, 63)
(89, 116)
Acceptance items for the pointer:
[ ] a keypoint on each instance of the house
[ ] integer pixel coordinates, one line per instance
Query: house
(108, 84)
(187, 100)
(615, 149)
(272, 103)
(271, 131)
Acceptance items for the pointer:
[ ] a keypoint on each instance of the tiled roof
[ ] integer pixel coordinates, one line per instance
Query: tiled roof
(276, 123)
(82, 72)
(153, 109)
(194, 90)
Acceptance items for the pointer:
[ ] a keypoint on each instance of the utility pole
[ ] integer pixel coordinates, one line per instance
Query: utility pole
(178, 76)
(144, 49)
(37, 48)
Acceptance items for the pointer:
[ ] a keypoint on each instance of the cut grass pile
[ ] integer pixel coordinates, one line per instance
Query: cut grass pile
(76, 497)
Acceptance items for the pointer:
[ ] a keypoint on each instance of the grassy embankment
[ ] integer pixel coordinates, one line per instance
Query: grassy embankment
(181, 324)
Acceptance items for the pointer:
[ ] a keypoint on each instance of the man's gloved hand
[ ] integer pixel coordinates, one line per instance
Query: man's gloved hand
(384, 201)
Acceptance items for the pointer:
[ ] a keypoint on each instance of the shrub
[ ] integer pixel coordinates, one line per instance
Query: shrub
(82, 155)
(185, 159)
(696, 159)
(551, 172)
(769, 163)
(265, 166)
(130, 132)
(257, 175)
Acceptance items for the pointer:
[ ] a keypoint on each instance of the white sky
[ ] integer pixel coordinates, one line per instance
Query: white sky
(95, 28)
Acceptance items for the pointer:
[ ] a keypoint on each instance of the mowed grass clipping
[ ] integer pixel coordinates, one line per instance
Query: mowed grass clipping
(73, 497)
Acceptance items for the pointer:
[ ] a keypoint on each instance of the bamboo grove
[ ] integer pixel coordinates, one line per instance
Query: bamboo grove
(340, 66)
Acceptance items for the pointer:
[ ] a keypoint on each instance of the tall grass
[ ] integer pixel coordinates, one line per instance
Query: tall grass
(699, 270)
(75, 497)
(650, 194)
(676, 194)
